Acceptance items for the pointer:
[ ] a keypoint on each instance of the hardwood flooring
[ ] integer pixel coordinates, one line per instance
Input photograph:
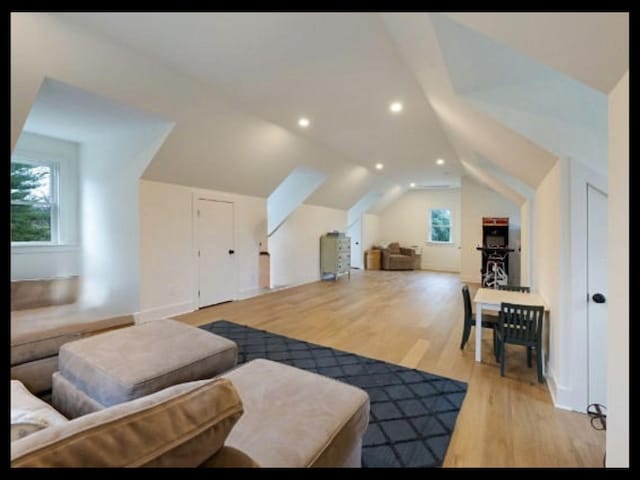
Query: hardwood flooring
(415, 319)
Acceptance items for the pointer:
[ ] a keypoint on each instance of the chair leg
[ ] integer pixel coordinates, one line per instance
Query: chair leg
(539, 365)
(495, 345)
(502, 359)
(529, 357)
(465, 336)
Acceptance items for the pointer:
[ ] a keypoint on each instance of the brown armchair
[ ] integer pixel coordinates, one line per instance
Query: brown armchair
(395, 257)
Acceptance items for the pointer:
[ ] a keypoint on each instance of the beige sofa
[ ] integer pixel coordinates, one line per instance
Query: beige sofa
(35, 342)
(395, 257)
(261, 413)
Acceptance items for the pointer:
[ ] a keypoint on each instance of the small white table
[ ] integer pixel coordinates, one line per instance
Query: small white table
(491, 298)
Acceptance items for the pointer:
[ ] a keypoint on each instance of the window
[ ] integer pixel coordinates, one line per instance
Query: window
(440, 225)
(33, 201)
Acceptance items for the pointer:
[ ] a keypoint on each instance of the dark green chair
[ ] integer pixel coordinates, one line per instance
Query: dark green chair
(515, 288)
(520, 325)
(488, 321)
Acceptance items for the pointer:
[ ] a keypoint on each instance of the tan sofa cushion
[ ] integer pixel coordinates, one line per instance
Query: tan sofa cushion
(181, 426)
(36, 375)
(394, 248)
(30, 414)
(69, 400)
(131, 362)
(229, 457)
(295, 418)
(33, 340)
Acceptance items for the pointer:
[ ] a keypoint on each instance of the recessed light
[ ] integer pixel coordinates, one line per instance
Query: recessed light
(395, 107)
(303, 122)
(379, 166)
(412, 185)
(440, 161)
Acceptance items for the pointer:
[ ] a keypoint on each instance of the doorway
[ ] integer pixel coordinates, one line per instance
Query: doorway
(597, 309)
(355, 233)
(216, 253)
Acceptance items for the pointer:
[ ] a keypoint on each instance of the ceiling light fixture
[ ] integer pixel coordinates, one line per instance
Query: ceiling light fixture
(379, 166)
(304, 122)
(440, 161)
(395, 107)
(412, 185)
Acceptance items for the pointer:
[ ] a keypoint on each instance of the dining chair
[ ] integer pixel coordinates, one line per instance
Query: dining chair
(488, 321)
(520, 325)
(515, 288)
(521, 289)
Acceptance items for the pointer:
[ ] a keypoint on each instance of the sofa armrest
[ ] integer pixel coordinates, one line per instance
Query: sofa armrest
(385, 256)
(229, 457)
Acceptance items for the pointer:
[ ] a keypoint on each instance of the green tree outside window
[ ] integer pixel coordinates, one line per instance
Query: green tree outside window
(30, 202)
(440, 225)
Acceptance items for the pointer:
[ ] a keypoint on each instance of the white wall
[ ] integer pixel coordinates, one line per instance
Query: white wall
(109, 172)
(62, 260)
(168, 263)
(525, 243)
(548, 275)
(370, 231)
(618, 347)
(295, 246)
(288, 196)
(478, 201)
(406, 221)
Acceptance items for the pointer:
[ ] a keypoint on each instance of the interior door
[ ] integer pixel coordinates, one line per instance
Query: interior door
(355, 232)
(216, 254)
(597, 310)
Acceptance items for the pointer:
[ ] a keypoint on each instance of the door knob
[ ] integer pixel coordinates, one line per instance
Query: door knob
(231, 252)
(599, 298)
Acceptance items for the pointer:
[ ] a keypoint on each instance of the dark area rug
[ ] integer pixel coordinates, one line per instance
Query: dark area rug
(413, 413)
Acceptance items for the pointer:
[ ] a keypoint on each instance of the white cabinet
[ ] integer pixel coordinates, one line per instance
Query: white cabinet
(335, 255)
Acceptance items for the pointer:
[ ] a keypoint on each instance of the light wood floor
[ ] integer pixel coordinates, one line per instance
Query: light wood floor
(415, 319)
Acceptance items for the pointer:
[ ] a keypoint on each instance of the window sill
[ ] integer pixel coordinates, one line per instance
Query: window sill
(444, 244)
(23, 249)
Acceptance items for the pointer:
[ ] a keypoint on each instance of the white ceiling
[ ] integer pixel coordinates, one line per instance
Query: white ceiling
(592, 47)
(339, 69)
(66, 112)
(516, 90)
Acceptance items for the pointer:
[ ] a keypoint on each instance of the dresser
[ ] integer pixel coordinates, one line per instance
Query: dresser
(335, 255)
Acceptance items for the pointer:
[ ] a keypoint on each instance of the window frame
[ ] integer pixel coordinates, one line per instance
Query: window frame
(53, 204)
(431, 225)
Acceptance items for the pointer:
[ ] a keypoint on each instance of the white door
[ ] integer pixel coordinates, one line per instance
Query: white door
(216, 255)
(355, 232)
(597, 310)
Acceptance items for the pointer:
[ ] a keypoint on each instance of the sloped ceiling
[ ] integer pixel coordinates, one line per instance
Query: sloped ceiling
(591, 47)
(515, 90)
(338, 69)
(63, 111)
(562, 115)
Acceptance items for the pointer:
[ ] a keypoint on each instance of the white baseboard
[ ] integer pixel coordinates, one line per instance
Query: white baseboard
(560, 395)
(256, 292)
(439, 268)
(470, 278)
(165, 311)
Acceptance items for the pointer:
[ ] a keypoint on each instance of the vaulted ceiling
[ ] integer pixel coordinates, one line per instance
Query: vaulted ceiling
(515, 90)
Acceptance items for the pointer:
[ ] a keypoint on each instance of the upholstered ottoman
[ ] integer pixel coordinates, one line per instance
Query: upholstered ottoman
(118, 366)
(295, 418)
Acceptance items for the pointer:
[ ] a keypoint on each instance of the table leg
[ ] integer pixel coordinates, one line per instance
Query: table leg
(478, 332)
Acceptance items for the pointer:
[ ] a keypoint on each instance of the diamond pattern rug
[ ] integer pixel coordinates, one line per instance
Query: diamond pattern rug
(413, 413)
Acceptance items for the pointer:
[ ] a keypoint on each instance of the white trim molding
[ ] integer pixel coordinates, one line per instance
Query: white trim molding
(166, 311)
